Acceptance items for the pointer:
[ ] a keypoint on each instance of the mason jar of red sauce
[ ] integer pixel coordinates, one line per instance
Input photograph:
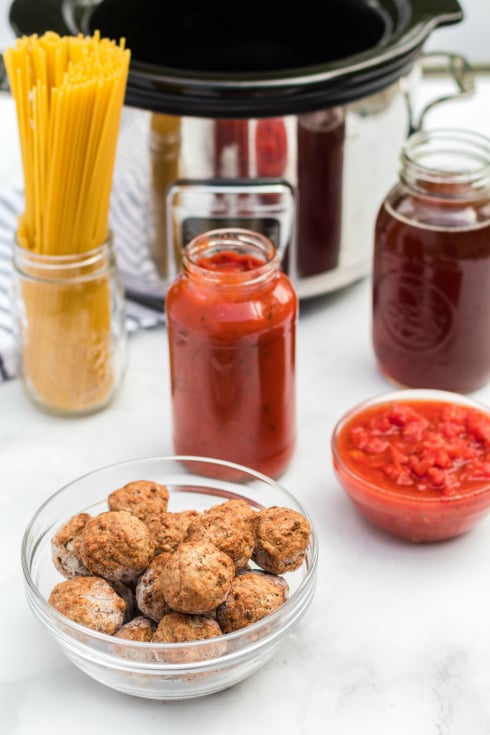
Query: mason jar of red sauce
(431, 271)
(231, 320)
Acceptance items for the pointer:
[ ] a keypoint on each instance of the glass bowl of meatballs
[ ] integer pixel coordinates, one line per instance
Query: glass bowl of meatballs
(170, 578)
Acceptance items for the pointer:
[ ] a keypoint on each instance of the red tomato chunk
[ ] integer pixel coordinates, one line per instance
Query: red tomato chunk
(418, 447)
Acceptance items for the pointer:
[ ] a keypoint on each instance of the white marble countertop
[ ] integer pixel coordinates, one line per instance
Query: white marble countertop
(397, 638)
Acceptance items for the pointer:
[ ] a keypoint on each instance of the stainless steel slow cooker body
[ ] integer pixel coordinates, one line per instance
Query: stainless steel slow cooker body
(289, 123)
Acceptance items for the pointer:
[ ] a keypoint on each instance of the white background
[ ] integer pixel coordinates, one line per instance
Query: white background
(470, 37)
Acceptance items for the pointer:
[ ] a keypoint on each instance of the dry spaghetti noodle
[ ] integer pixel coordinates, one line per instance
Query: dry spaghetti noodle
(69, 92)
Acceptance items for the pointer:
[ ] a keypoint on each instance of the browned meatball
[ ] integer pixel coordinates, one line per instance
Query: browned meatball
(196, 577)
(117, 546)
(138, 629)
(228, 528)
(65, 547)
(149, 594)
(90, 601)
(179, 628)
(252, 596)
(240, 508)
(182, 628)
(141, 498)
(168, 529)
(282, 536)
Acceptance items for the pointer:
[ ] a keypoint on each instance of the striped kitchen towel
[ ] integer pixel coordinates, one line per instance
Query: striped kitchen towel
(144, 291)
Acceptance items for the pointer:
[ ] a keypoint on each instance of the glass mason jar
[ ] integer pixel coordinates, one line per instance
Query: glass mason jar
(165, 145)
(231, 317)
(431, 271)
(320, 152)
(71, 329)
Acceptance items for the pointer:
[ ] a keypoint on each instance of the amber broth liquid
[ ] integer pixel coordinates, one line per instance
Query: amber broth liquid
(431, 302)
(320, 173)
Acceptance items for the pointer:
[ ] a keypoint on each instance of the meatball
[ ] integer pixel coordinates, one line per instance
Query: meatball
(168, 530)
(117, 546)
(65, 547)
(90, 601)
(141, 498)
(196, 577)
(182, 628)
(138, 629)
(228, 528)
(240, 508)
(179, 628)
(252, 596)
(149, 594)
(282, 536)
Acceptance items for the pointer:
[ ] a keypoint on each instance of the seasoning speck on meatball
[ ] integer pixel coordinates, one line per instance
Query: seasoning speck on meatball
(282, 536)
(141, 498)
(117, 546)
(228, 528)
(65, 547)
(196, 577)
(90, 601)
(168, 529)
(252, 596)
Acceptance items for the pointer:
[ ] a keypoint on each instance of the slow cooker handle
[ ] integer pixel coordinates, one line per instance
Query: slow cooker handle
(460, 71)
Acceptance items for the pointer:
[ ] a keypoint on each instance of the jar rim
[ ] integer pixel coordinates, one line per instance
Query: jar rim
(235, 239)
(449, 156)
(71, 267)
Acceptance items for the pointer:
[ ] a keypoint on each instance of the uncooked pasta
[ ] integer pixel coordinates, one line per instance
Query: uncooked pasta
(69, 92)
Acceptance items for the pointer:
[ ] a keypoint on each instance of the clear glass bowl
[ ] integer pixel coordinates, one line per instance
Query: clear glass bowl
(164, 671)
(405, 512)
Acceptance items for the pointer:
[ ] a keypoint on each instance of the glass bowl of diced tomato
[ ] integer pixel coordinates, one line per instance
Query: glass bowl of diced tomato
(415, 462)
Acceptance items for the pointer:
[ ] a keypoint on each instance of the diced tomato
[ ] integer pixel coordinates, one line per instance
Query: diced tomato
(437, 476)
(375, 445)
(397, 455)
(442, 459)
(414, 431)
(432, 447)
(479, 427)
(421, 467)
(380, 424)
(451, 429)
(359, 437)
(400, 414)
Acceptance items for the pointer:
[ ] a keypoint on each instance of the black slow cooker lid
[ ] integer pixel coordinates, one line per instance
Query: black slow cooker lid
(254, 59)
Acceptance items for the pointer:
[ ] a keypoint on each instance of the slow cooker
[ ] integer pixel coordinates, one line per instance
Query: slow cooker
(285, 121)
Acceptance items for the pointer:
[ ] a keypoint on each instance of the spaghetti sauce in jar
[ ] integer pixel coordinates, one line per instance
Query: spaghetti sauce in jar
(431, 274)
(231, 319)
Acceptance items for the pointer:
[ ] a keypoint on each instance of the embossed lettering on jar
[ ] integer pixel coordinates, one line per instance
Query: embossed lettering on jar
(431, 273)
(231, 317)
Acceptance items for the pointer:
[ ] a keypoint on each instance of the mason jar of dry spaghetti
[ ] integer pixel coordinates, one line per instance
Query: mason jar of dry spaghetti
(71, 328)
